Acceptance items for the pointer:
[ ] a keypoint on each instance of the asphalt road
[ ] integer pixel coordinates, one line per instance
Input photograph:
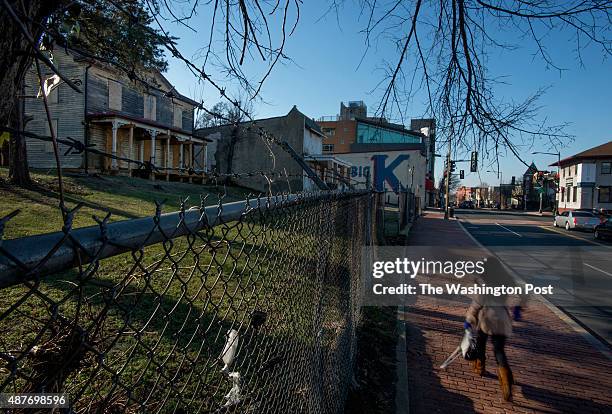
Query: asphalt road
(579, 268)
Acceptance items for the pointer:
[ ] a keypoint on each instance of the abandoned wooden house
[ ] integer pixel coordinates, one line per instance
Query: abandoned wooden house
(143, 121)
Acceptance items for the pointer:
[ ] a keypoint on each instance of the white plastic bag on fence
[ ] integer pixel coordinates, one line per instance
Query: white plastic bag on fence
(229, 350)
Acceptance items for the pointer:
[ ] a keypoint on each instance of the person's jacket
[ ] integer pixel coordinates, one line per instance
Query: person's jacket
(490, 316)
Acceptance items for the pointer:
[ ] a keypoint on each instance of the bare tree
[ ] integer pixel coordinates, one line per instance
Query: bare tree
(443, 49)
(223, 113)
(239, 32)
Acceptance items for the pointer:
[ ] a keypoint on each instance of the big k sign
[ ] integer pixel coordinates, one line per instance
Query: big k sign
(384, 171)
(389, 169)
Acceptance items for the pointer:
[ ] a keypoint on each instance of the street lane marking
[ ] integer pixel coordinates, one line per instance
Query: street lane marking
(569, 320)
(566, 233)
(598, 269)
(508, 229)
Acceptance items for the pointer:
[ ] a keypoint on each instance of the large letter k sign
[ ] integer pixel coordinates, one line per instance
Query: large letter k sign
(384, 173)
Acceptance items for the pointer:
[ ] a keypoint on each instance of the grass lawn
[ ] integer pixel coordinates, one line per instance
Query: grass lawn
(122, 196)
(158, 317)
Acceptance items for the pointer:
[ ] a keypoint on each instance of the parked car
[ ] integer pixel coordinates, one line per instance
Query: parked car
(603, 230)
(466, 204)
(576, 220)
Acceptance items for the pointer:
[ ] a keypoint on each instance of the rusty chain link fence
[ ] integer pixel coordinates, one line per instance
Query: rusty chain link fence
(242, 307)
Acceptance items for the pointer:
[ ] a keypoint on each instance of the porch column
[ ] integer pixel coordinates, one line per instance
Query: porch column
(141, 155)
(168, 164)
(181, 154)
(153, 135)
(114, 146)
(130, 148)
(191, 157)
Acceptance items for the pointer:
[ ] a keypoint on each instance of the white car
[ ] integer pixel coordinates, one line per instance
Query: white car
(576, 220)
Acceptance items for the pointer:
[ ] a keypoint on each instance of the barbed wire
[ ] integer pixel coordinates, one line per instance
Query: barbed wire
(77, 147)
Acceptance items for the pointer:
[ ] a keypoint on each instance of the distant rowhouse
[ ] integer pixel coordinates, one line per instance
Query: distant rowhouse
(586, 179)
(241, 150)
(144, 121)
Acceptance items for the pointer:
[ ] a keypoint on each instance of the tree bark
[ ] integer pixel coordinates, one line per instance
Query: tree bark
(15, 60)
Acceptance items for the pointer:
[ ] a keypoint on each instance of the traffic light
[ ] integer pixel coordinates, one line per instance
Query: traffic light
(452, 166)
(474, 162)
(513, 180)
(461, 174)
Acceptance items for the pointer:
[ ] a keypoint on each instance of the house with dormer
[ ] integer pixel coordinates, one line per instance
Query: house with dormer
(144, 119)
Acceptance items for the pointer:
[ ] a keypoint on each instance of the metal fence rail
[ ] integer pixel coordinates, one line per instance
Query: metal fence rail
(241, 307)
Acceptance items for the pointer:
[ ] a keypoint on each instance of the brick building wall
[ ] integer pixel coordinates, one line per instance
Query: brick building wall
(344, 134)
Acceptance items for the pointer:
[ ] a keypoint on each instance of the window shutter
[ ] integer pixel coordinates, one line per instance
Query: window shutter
(150, 107)
(115, 95)
(178, 116)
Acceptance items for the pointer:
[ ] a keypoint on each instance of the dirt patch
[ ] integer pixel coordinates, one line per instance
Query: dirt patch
(375, 364)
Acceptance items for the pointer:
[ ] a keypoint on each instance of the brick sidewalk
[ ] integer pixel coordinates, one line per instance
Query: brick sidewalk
(555, 369)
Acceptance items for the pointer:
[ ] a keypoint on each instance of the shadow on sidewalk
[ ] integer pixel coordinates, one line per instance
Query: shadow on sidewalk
(563, 403)
(425, 389)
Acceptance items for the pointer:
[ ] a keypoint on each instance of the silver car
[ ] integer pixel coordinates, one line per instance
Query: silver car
(576, 220)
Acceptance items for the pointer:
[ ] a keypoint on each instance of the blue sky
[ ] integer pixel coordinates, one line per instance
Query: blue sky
(326, 71)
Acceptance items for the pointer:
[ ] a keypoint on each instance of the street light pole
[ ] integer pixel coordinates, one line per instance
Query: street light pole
(446, 190)
(501, 180)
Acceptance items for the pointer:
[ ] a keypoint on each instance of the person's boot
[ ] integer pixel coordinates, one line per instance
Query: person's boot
(479, 366)
(505, 380)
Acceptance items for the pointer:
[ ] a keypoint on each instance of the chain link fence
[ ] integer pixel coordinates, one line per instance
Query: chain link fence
(239, 307)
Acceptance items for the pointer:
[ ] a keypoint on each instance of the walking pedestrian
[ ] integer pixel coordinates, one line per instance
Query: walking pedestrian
(490, 316)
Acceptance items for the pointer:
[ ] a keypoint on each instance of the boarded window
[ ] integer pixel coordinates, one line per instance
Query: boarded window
(150, 107)
(48, 145)
(605, 194)
(114, 95)
(178, 116)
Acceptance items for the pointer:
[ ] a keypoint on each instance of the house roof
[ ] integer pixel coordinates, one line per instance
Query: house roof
(532, 169)
(600, 151)
(163, 81)
(388, 125)
(144, 121)
(308, 123)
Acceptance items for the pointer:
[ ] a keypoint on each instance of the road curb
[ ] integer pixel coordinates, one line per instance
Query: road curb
(576, 327)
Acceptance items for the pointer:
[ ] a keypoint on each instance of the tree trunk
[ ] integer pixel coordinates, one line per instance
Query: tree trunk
(15, 60)
(18, 167)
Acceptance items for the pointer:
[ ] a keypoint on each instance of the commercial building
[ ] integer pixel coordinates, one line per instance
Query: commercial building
(586, 179)
(390, 167)
(353, 132)
(239, 149)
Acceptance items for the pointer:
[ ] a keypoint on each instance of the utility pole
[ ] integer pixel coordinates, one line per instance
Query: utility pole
(446, 189)
(501, 179)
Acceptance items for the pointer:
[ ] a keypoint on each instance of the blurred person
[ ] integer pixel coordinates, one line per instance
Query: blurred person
(490, 316)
